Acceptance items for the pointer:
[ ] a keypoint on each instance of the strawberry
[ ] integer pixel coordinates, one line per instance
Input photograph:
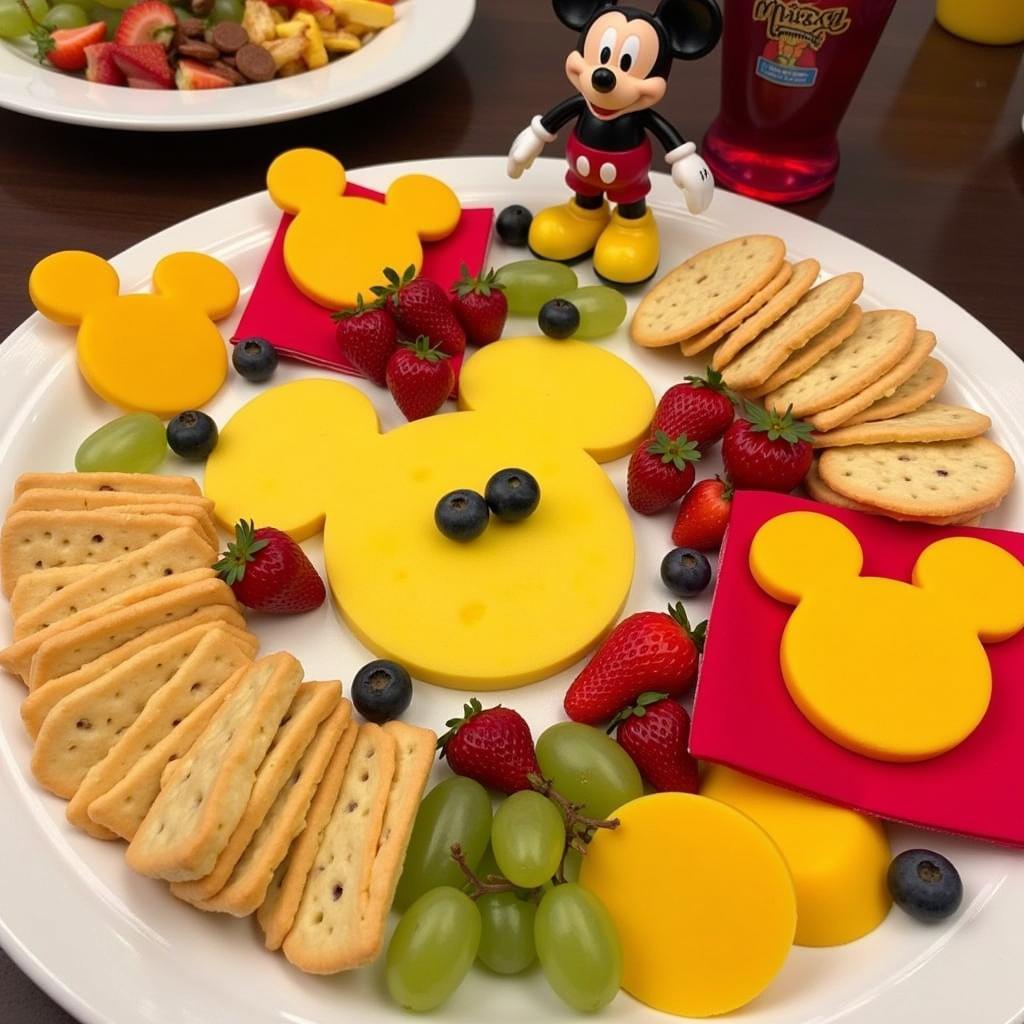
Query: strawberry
(421, 307)
(649, 651)
(767, 450)
(147, 22)
(193, 75)
(655, 732)
(491, 745)
(367, 337)
(145, 66)
(480, 306)
(313, 6)
(701, 408)
(660, 472)
(703, 516)
(64, 48)
(100, 65)
(420, 378)
(269, 572)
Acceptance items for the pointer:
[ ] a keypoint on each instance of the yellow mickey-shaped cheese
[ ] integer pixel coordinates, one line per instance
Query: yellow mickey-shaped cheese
(337, 246)
(891, 670)
(158, 352)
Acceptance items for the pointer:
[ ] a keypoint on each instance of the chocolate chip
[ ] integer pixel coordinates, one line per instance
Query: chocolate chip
(192, 28)
(255, 63)
(197, 49)
(230, 61)
(229, 36)
(228, 72)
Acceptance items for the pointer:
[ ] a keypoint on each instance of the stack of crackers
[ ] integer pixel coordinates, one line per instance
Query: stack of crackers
(866, 381)
(247, 789)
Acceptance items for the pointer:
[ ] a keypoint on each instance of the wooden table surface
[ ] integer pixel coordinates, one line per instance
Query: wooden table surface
(932, 177)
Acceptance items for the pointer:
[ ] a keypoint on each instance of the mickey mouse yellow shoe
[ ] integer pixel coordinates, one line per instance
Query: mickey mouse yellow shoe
(567, 232)
(628, 250)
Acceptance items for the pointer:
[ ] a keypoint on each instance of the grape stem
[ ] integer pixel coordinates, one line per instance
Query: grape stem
(481, 886)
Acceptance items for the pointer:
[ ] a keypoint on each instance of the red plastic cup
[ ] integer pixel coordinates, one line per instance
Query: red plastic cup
(789, 71)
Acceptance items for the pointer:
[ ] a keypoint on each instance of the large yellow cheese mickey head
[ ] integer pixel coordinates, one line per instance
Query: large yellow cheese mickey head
(158, 353)
(337, 246)
(891, 670)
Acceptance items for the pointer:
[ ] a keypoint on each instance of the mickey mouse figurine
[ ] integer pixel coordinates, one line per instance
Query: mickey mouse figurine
(620, 70)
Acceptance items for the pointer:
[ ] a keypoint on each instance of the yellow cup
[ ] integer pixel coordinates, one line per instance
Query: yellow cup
(996, 22)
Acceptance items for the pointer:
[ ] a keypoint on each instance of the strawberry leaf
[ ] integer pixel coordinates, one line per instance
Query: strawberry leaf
(697, 633)
(231, 567)
(778, 426)
(678, 452)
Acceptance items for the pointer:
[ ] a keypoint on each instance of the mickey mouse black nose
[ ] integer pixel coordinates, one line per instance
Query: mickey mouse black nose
(603, 80)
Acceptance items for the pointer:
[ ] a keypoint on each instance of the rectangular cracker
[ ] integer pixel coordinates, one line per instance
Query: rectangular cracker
(192, 819)
(83, 727)
(32, 590)
(934, 421)
(30, 541)
(71, 649)
(277, 912)
(337, 892)
(246, 888)
(38, 704)
(312, 704)
(142, 483)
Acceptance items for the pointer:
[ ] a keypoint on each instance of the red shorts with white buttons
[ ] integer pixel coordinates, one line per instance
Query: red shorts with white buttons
(622, 176)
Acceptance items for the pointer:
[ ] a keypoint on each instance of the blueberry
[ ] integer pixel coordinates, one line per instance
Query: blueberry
(192, 435)
(461, 515)
(685, 572)
(558, 319)
(513, 225)
(381, 691)
(255, 359)
(512, 494)
(925, 885)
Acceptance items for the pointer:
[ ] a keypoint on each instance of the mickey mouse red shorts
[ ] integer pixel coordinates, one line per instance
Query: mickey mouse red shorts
(622, 176)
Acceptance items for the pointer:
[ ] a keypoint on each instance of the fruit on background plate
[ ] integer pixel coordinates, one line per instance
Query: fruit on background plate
(925, 884)
(529, 284)
(479, 304)
(135, 443)
(701, 408)
(462, 515)
(558, 319)
(419, 377)
(703, 516)
(255, 359)
(528, 839)
(381, 691)
(192, 435)
(367, 336)
(655, 732)
(421, 307)
(767, 450)
(602, 310)
(512, 495)
(660, 472)
(686, 572)
(506, 932)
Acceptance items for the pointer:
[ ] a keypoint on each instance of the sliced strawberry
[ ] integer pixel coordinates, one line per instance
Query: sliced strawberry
(313, 6)
(65, 48)
(100, 66)
(193, 75)
(144, 66)
(148, 22)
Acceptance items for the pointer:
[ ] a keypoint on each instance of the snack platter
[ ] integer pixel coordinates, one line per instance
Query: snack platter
(182, 965)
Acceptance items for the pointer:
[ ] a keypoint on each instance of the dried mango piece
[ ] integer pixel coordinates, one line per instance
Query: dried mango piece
(287, 51)
(341, 42)
(258, 21)
(365, 12)
(316, 53)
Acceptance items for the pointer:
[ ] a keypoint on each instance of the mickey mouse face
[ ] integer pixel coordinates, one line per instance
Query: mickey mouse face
(156, 353)
(891, 670)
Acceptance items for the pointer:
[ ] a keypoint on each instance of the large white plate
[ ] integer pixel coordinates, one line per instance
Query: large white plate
(116, 948)
(424, 32)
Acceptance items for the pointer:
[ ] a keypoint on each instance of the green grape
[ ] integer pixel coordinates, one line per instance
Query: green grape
(578, 947)
(602, 310)
(432, 949)
(588, 767)
(182, 14)
(14, 21)
(457, 810)
(528, 838)
(116, 5)
(572, 864)
(65, 16)
(110, 17)
(506, 932)
(136, 443)
(530, 283)
(226, 10)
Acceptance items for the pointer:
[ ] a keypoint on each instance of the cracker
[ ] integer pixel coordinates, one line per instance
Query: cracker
(337, 892)
(943, 478)
(38, 704)
(192, 819)
(172, 554)
(922, 386)
(882, 340)
(31, 541)
(277, 912)
(246, 888)
(835, 415)
(805, 273)
(32, 590)
(73, 648)
(812, 314)
(813, 352)
(934, 421)
(142, 483)
(711, 335)
(312, 704)
(706, 288)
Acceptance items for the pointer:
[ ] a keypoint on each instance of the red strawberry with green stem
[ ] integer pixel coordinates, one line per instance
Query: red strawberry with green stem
(655, 732)
(648, 651)
(64, 48)
(150, 21)
(703, 516)
(480, 305)
(660, 472)
(367, 337)
(420, 306)
(491, 745)
(767, 450)
(420, 378)
(701, 408)
(269, 572)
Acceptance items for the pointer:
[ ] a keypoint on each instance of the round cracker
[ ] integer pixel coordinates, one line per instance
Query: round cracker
(934, 421)
(922, 386)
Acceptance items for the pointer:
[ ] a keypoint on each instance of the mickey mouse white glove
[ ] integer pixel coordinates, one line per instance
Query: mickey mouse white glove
(692, 176)
(529, 144)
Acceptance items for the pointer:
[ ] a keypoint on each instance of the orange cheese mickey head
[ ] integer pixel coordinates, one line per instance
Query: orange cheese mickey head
(892, 670)
(337, 246)
(158, 353)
